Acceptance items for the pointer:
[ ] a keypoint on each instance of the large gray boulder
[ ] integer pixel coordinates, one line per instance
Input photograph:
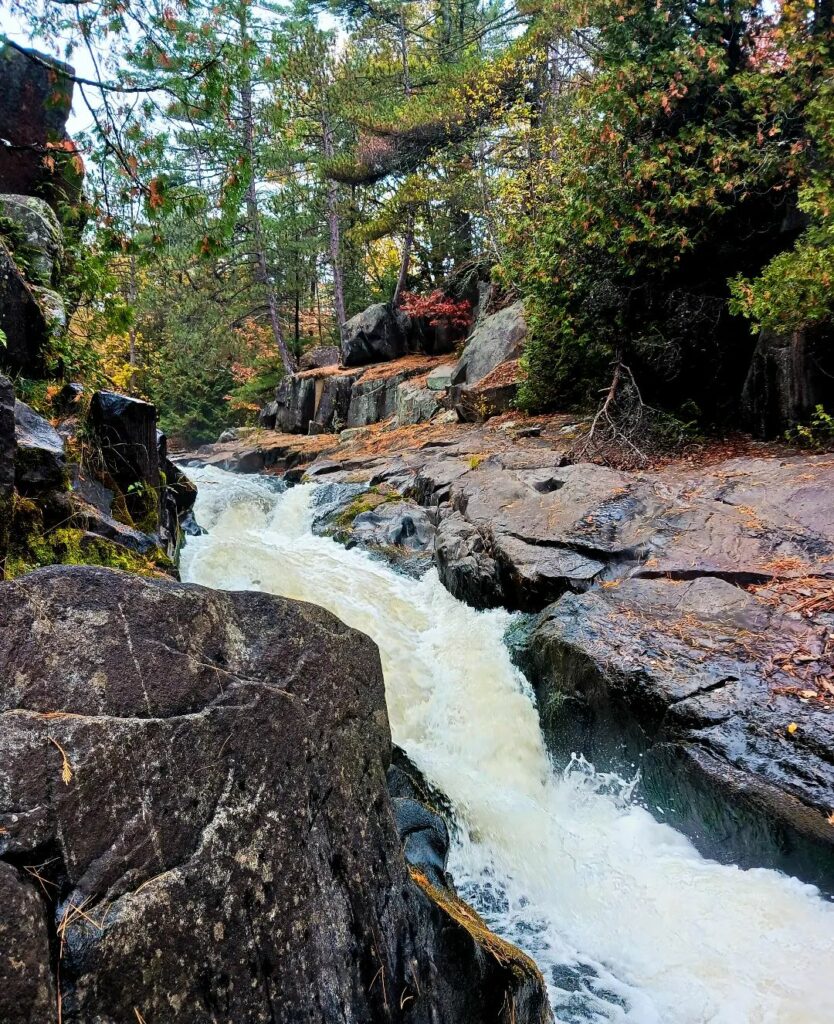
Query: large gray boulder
(377, 334)
(196, 781)
(495, 340)
(711, 688)
(319, 357)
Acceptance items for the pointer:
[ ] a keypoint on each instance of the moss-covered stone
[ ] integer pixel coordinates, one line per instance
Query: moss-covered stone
(364, 503)
(33, 546)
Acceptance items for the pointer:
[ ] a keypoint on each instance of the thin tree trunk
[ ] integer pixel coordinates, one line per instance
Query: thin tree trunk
(404, 53)
(334, 227)
(131, 298)
(404, 262)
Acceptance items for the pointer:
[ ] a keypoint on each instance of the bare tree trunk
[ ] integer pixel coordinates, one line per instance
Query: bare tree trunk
(132, 292)
(262, 275)
(334, 227)
(405, 261)
(404, 53)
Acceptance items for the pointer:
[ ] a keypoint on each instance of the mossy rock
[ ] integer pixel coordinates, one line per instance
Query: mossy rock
(364, 503)
(32, 546)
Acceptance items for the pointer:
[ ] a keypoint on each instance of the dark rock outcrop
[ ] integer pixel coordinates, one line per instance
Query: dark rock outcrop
(697, 682)
(124, 430)
(377, 334)
(375, 396)
(194, 823)
(23, 320)
(7, 454)
(789, 376)
(36, 156)
(496, 339)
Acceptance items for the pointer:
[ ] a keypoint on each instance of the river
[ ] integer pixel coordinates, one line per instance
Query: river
(624, 917)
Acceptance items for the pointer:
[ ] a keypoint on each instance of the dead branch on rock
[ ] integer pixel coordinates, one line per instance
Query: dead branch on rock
(626, 432)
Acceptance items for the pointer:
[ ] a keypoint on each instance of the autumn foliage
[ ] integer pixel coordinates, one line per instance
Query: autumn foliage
(439, 310)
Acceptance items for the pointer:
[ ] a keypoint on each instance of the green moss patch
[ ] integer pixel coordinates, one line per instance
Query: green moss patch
(32, 547)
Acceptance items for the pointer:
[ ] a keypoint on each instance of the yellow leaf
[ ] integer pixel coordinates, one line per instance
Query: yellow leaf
(66, 770)
(792, 728)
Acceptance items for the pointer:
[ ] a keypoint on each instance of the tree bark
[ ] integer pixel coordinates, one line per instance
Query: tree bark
(334, 227)
(408, 241)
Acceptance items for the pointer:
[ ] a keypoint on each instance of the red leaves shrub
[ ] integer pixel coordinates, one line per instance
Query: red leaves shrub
(439, 310)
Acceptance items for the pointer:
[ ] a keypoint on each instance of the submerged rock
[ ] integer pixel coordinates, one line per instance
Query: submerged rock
(198, 778)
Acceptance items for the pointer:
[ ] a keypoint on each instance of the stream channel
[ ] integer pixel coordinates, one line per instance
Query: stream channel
(627, 921)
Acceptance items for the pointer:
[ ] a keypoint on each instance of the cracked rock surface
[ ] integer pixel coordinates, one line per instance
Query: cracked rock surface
(194, 822)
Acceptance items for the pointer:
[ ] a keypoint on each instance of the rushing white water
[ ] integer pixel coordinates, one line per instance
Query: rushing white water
(627, 921)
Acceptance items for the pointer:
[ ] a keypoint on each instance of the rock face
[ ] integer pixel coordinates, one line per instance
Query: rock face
(125, 431)
(316, 358)
(495, 339)
(698, 679)
(199, 779)
(35, 102)
(415, 403)
(490, 396)
(7, 454)
(789, 376)
(329, 399)
(375, 335)
(39, 456)
(22, 319)
(40, 231)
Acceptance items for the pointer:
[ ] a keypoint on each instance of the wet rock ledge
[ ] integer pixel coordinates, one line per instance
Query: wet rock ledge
(194, 823)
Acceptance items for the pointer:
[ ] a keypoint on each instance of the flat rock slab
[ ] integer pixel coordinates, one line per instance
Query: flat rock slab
(193, 794)
(696, 682)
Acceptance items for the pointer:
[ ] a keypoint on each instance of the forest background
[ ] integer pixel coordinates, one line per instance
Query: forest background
(654, 179)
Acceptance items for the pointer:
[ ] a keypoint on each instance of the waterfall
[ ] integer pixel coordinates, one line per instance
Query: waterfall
(625, 918)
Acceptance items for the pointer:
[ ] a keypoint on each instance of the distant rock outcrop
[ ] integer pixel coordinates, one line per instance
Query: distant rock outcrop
(37, 158)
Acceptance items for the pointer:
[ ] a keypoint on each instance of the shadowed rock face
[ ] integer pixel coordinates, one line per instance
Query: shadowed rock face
(35, 102)
(199, 778)
(695, 679)
(375, 335)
